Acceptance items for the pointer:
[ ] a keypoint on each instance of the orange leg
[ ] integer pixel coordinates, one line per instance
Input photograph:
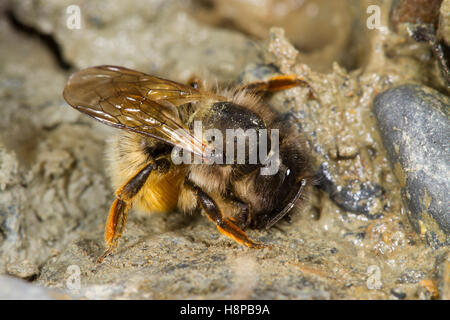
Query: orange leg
(115, 225)
(278, 83)
(226, 226)
(118, 213)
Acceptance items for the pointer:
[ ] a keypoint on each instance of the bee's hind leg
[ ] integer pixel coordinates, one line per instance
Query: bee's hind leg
(114, 225)
(122, 204)
(225, 225)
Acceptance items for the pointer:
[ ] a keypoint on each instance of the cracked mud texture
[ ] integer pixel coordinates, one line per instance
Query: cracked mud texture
(350, 240)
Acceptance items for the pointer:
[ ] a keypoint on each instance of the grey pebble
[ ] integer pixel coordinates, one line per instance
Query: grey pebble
(355, 196)
(415, 128)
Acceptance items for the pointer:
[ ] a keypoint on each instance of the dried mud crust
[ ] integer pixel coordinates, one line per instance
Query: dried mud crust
(351, 239)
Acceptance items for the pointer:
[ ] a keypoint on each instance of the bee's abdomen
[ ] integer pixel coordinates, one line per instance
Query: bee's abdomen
(127, 154)
(160, 192)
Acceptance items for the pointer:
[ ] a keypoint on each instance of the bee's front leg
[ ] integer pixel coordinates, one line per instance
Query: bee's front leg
(225, 225)
(279, 83)
(122, 204)
(243, 218)
(114, 225)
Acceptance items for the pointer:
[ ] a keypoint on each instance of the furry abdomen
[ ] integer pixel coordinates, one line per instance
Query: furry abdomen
(126, 154)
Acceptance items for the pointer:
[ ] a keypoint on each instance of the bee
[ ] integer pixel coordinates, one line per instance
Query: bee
(156, 115)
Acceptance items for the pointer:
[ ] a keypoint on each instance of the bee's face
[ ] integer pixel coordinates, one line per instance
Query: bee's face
(280, 177)
(282, 189)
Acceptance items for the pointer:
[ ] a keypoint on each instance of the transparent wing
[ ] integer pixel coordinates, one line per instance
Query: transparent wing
(131, 100)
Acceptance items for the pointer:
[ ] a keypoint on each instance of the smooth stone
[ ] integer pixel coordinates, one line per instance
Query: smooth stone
(415, 128)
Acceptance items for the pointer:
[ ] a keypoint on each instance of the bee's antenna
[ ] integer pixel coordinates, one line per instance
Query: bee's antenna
(288, 207)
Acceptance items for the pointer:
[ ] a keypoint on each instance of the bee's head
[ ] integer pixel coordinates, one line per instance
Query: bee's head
(279, 192)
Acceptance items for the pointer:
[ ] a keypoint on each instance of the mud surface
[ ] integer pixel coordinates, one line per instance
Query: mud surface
(350, 240)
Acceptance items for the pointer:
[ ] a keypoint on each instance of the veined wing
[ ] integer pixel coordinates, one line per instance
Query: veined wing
(135, 101)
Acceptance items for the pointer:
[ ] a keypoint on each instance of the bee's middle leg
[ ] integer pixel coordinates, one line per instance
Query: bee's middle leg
(225, 225)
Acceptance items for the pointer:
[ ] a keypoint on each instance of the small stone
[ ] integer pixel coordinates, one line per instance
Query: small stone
(415, 128)
(414, 11)
(444, 21)
(356, 196)
(23, 269)
(398, 294)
